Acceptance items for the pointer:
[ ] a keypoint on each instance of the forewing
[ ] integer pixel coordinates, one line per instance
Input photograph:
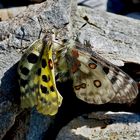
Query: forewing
(28, 80)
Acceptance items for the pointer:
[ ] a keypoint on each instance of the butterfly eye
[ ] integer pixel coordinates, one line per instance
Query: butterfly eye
(97, 83)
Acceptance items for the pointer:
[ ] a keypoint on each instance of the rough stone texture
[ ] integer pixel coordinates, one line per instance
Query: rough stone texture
(103, 126)
(38, 126)
(16, 34)
(108, 34)
(11, 12)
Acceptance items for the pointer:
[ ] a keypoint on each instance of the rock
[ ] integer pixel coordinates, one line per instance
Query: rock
(16, 3)
(102, 125)
(17, 34)
(108, 34)
(11, 12)
(39, 124)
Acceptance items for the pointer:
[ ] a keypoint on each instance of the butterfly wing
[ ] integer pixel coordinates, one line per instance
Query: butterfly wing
(49, 99)
(97, 81)
(37, 79)
(28, 80)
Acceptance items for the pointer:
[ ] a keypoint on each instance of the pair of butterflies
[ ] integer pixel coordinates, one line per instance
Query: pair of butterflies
(95, 80)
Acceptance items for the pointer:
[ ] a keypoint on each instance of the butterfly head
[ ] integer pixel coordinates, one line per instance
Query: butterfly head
(47, 41)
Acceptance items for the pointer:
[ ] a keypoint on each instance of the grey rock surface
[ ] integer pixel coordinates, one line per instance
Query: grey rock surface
(112, 36)
(16, 34)
(11, 12)
(102, 126)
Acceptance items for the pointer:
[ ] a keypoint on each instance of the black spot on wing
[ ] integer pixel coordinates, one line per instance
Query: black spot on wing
(23, 82)
(45, 78)
(52, 88)
(93, 60)
(39, 72)
(113, 79)
(106, 70)
(24, 70)
(44, 89)
(32, 58)
(43, 63)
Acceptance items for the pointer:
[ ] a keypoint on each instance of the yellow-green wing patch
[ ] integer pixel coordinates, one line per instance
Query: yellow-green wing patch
(37, 79)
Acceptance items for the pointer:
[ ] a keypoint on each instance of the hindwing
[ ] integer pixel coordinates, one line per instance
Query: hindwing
(97, 81)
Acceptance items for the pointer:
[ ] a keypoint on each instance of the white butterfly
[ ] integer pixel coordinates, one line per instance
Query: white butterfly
(95, 80)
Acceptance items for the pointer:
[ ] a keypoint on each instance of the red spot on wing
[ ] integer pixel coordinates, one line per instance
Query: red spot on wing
(50, 63)
(75, 66)
(75, 53)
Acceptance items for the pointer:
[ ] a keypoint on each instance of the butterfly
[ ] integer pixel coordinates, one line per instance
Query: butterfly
(95, 80)
(37, 79)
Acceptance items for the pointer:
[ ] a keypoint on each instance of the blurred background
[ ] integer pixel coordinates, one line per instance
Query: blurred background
(129, 8)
